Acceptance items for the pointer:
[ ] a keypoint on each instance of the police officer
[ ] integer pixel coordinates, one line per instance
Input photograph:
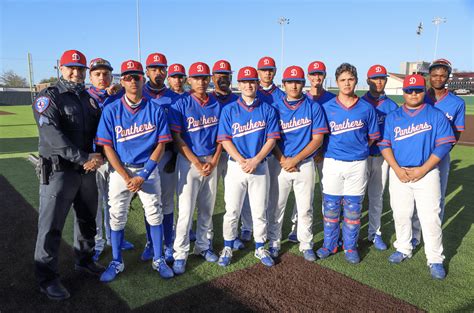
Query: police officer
(67, 118)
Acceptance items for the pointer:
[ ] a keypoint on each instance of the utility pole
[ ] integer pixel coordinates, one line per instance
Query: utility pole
(30, 75)
(420, 61)
(138, 32)
(282, 21)
(437, 21)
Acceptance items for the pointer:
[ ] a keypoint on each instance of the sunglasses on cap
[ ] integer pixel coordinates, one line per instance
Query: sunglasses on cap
(130, 77)
(99, 63)
(411, 90)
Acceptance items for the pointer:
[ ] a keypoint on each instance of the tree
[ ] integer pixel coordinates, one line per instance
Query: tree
(52, 79)
(11, 79)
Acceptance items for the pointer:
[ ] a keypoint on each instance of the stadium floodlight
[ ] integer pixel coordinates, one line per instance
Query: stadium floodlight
(282, 21)
(419, 31)
(138, 32)
(437, 21)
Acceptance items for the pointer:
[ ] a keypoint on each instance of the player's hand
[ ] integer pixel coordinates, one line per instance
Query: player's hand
(135, 183)
(402, 175)
(289, 164)
(94, 162)
(113, 89)
(415, 173)
(250, 166)
(200, 167)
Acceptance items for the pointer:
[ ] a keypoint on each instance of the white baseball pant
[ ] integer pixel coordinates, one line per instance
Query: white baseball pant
(342, 178)
(377, 173)
(426, 195)
(193, 190)
(102, 219)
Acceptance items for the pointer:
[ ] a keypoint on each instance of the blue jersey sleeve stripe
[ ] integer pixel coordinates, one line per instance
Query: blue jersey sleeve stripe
(175, 128)
(384, 147)
(459, 127)
(104, 139)
(445, 138)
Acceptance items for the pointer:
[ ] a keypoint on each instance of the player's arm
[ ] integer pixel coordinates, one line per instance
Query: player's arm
(251, 164)
(187, 152)
(401, 173)
(229, 146)
(210, 166)
(291, 163)
(116, 163)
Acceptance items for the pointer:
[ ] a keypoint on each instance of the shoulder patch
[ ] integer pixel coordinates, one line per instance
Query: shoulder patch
(92, 102)
(41, 104)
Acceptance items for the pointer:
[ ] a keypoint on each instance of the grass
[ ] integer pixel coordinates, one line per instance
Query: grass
(409, 281)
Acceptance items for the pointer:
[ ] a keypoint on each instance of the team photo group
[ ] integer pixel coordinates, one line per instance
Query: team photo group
(161, 135)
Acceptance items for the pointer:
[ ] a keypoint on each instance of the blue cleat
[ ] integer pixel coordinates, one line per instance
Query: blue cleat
(161, 267)
(96, 255)
(238, 245)
(169, 254)
(324, 253)
(352, 256)
(179, 266)
(264, 257)
(246, 235)
(274, 252)
(112, 271)
(147, 253)
(127, 245)
(309, 255)
(378, 243)
(398, 257)
(209, 255)
(293, 236)
(225, 257)
(437, 271)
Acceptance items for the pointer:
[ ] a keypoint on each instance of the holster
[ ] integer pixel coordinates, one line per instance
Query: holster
(43, 170)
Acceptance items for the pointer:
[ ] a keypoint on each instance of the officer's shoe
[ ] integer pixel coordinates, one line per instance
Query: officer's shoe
(293, 236)
(192, 235)
(274, 252)
(378, 243)
(161, 267)
(127, 245)
(209, 255)
(309, 255)
(225, 257)
(246, 235)
(179, 266)
(264, 257)
(114, 268)
(96, 255)
(414, 243)
(169, 254)
(352, 256)
(92, 268)
(56, 291)
(437, 271)
(238, 245)
(398, 257)
(147, 253)
(324, 252)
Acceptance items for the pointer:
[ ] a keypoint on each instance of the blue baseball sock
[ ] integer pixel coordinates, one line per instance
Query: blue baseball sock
(168, 220)
(156, 233)
(148, 235)
(116, 236)
(259, 244)
(229, 243)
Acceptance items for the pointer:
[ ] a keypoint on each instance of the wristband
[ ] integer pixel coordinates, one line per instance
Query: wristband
(150, 166)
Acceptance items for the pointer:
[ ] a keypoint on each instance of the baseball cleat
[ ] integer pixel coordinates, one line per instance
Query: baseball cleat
(238, 245)
(96, 255)
(225, 257)
(352, 256)
(147, 253)
(378, 243)
(398, 257)
(56, 291)
(179, 266)
(264, 257)
(414, 243)
(437, 271)
(246, 235)
(323, 252)
(161, 267)
(169, 254)
(192, 235)
(209, 255)
(92, 268)
(112, 271)
(293, 236)
(274, 252)
(309, 255)
(127, 245)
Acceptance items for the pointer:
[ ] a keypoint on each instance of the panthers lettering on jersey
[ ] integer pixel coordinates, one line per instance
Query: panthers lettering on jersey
(196, 122)
(350, 129)
(324, 97)
(133, 133)
(414, 134)
(299, 121)
(383, 105)
(453, 107)
(248, 127)
(271, 95)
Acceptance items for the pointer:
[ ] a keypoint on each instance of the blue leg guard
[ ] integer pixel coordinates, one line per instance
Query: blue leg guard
(156, 233)
(148, 234)
(331, 213)
(351, 225)
(116, 238)
(168, 220)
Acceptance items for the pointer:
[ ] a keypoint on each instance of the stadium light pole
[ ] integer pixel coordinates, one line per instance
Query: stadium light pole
(138, 32)
(437, 21)
(419, 31)
(282, 21)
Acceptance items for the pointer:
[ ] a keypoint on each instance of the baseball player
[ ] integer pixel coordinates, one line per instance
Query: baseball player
(102, 90)
(316, 76)
(156, 70)
(134, 131)
(377, 167)
(176, 78)
(353, 128)
(248, 130)
(194, 121)
(303, 126)
(414, 174)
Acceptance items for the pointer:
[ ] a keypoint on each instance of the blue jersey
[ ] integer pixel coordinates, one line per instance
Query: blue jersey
(102, 97)
(299, 121)
(324, 97)
(248, 127)
(270, 96)
(350, 129)
(383, 105)
(225, 100)
(196, 122)
(133, 133)
(165, 97)
(452, 106)
(414, 134)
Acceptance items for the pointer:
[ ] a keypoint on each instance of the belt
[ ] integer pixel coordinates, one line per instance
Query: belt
(376, 155)
(132, 165)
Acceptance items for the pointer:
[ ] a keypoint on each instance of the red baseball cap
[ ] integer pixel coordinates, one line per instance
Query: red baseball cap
(222, 67)
(377, 70)
(73, 58)
(415, 81)
(293, 73)
(441, 62)
(176, 69)
(131, 67)
(266, 63)
(316, 67)
(156, 59)
(100, 63)
(247, 73)
(199, 69)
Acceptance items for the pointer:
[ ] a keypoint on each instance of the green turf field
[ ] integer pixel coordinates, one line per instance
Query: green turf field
(409, 281)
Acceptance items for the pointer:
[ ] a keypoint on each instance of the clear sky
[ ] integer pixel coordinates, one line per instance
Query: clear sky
(360, 32)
